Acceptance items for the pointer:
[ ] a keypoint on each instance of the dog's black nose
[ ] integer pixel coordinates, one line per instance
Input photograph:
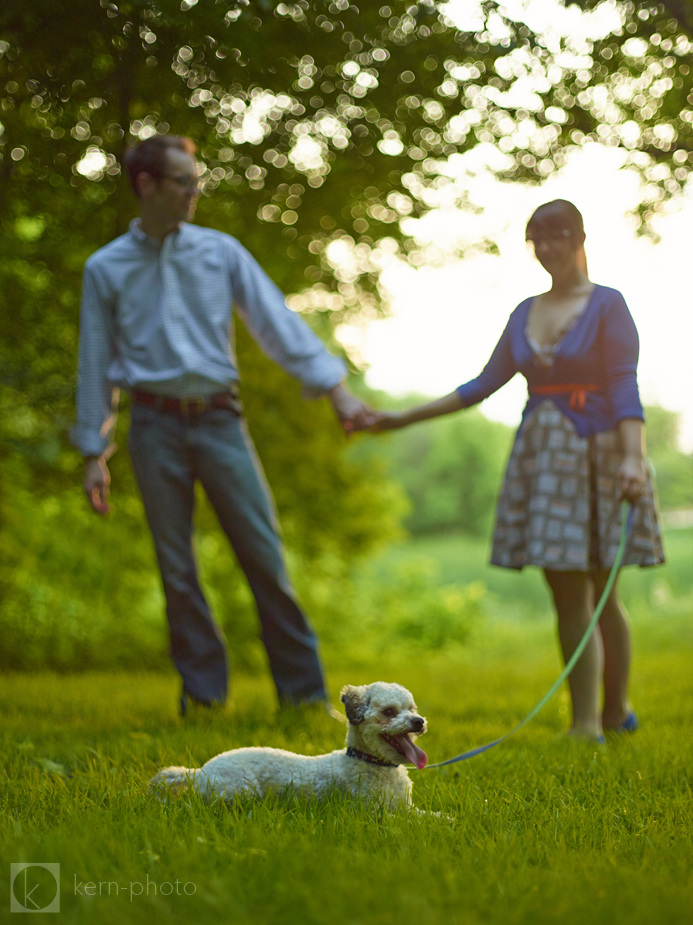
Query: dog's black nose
(417, 724)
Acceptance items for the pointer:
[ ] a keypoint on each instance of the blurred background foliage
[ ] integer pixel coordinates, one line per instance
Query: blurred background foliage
(325, 129)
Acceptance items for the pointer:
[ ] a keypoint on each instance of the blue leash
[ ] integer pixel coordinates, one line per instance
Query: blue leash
(627, 513)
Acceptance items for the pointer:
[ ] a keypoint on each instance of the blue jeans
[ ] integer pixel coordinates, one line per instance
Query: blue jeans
(169, 454)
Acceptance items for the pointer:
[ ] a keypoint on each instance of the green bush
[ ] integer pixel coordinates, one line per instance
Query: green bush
(401, 608)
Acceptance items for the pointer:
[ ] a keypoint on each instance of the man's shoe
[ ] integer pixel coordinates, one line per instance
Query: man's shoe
(190, 706)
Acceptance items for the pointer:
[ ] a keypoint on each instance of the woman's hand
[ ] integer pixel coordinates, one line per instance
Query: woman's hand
(392, 420)
(632, 478)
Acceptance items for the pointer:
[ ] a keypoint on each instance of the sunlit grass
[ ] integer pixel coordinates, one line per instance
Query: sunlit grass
(541, 829)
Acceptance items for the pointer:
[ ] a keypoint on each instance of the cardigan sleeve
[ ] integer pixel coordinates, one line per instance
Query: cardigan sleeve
(621, 348)
(500, 369)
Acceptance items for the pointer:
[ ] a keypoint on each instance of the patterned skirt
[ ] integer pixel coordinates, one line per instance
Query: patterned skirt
(558, 507)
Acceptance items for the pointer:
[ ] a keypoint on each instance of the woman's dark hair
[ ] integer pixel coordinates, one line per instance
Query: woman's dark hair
(557, 215)
(149, 156)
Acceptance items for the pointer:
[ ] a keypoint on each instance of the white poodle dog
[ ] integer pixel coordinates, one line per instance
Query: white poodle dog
(383, 723)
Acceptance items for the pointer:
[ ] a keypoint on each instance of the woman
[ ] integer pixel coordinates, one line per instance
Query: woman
(579, 450)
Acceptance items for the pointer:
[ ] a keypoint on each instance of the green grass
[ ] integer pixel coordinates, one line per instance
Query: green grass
(542, 829)
(539, 830)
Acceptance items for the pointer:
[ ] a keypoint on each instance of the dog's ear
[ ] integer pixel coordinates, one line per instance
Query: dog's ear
(355, 703)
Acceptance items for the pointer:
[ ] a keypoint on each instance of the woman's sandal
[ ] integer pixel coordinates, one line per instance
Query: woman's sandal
(629, 724)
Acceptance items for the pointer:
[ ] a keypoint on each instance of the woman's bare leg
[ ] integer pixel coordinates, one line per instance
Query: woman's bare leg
(573, 600)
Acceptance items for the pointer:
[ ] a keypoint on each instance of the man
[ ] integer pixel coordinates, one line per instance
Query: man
(155, 321)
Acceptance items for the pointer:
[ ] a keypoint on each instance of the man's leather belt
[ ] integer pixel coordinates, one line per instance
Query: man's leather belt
(189, 407)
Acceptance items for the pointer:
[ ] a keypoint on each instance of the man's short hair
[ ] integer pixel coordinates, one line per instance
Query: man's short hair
(149, 156)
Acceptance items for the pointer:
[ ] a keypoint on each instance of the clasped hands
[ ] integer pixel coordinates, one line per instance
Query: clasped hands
(355, 415)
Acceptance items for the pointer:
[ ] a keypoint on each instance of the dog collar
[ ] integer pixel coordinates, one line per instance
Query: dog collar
(369, 759)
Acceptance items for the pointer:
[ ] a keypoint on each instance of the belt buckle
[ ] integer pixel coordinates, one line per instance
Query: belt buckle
(192, 406)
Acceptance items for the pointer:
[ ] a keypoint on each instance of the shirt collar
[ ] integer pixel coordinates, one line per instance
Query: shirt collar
(176, 238)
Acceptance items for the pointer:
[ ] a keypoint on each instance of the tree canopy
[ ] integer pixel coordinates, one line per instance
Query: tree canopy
(322, 127)
(328, 122)
(326, 128)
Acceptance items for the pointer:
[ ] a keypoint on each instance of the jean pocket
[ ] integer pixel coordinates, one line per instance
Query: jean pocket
(221, 416)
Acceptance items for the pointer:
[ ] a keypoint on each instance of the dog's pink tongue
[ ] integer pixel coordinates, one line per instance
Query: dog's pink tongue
(412, 752)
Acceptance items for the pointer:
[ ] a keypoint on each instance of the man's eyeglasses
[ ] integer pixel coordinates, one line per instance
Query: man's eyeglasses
(184, 180)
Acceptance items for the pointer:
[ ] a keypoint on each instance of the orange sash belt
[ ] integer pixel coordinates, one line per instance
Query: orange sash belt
(578, 392)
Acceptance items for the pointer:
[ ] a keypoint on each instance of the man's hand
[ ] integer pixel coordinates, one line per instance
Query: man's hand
(353, 414)
(97, 483)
